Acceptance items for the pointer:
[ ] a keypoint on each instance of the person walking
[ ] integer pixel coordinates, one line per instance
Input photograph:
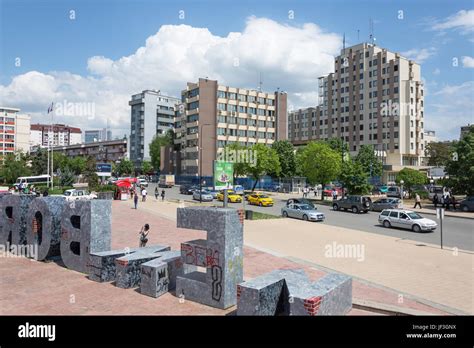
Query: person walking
(334, 194)
(143, 236)
(144, 193)
(417, 201)
(435, 200)
(447, 200)
(135, 199)
(162, 195)
(156, 193)
(453, 202)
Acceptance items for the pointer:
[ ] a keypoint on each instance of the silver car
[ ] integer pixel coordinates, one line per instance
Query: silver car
(302, 211)
(386, 203)
(204, 196)
(406, 219)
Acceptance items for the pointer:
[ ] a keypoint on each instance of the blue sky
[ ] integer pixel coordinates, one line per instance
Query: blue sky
(47, 41)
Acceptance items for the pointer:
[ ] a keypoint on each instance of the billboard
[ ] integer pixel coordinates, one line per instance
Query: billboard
(223, 175)
(104, 169)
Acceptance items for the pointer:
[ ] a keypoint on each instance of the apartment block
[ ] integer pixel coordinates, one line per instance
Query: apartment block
(14, 131)
(56, 134)
(93, 135)
(212, 116)
(374, 97)
(151, 114)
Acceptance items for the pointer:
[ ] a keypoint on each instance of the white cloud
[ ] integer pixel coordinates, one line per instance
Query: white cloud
(468, 62)
(462, 20)
(436, 71)
(419, 55)
(289, 57)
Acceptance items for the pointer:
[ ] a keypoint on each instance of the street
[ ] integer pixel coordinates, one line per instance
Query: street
(457, 232)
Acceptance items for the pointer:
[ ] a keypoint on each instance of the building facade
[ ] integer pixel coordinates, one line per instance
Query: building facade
(151, 114)
(57, 134)
(14, 131)
(465, 130)
(93, 135)
(212, 116)
(102, 151)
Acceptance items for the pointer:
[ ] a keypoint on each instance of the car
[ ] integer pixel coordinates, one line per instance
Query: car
(187, 189)
(260, 199)
(386, 203)
(433, 190)
(394, 191)
(142, 182)
(406, 219)
(239, 190)
(380, 189)
(232, 197)
(354, 203)
(467, 204)
(212, 192)
(327, 191)
(300, 201)
(204, 196)
(302, 211)
(76, 194)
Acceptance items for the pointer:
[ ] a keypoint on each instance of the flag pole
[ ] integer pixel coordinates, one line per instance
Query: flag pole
(52, 152)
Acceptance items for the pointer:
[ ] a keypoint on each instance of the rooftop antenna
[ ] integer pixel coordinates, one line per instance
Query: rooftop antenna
(344, 44)
(358, 32)
(260, 82)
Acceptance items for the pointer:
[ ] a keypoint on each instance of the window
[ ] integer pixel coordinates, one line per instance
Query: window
(193, 105)
(221, 94)
(395, 68)
(394, 214)
(221, 106)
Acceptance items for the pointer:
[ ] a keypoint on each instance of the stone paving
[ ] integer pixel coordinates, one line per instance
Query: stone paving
(37, 288)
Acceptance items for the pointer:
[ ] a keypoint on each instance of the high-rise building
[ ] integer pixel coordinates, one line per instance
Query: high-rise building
(374, 97)
(14, 131)
(212, 116)
(95, 135)
(151, 114)
(57, 134)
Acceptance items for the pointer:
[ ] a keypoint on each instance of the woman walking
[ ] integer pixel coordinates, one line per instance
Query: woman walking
(143, 235)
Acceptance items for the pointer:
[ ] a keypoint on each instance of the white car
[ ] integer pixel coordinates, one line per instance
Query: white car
(75, 194)
(142, 182)
(406, 219)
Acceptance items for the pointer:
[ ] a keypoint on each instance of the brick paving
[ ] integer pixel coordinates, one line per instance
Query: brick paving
(47, 288)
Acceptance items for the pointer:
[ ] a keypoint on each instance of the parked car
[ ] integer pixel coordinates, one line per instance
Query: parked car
(239, 189)
(76, 194)
(212, 192)
(380, 189)
(261, 200)
(327, 191)
(231, 196)
(394, 191)
(354, 203)
(142, 182)
(187, 189)
(386, 203)
(300, 201)
(467, 204)
(302, 211)
(203, 196)
(435, 190)
(406, 219)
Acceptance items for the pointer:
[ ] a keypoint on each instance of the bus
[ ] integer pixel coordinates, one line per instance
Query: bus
(32, 180)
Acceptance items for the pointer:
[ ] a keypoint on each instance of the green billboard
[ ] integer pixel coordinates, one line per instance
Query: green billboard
(223, 175)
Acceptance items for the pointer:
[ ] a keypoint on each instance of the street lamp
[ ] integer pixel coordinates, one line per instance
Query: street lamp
(401, 190)
(200, 159)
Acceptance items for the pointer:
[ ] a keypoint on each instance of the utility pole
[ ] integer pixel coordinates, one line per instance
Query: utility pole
(200, 159)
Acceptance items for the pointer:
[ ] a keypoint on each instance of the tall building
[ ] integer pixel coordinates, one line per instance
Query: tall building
(374, 97)
(151, 114)
(465, 130)
(57, 134)
(94, 135)
(217, 115)
(14, 131)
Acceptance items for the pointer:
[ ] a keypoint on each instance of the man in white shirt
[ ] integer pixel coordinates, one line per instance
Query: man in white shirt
(144, 193)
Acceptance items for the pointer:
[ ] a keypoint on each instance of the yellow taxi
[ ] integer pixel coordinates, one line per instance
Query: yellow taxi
(231, 196)
(261, 200)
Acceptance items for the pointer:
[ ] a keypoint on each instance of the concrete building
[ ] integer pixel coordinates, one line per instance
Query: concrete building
(103, 134)
(60, 135)
(465, 130)
(429, 136)
(217, 115)
(151, 114)
(374, 97)
(14, 131)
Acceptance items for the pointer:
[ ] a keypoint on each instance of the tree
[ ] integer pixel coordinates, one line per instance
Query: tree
(90, 174)
(66, 178)
(267, 162)
(336, 145)
(155, 147)
(39, 162)
(319, 163)
(354, 176)
(77, 165)
(438, 153)
(124, 167)
(147, 167)
(14, 166)
(286, 156)
(369, 161)
(410, 177)
(460, 167)
(239, 164)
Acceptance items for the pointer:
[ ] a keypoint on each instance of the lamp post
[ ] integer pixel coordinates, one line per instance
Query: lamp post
(401, 190)
(200, 159)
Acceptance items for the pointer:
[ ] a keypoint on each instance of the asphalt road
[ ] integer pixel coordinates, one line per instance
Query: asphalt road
(457, 232)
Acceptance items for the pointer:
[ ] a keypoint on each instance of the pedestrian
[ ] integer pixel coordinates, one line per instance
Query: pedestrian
(162, 195)
(453, 202)
(144, 193)
(447, 200)
(156, 193)
(135, 199)
(334, 194)
(435, 200)
(45, 193)
(417, 201)
(143, 235)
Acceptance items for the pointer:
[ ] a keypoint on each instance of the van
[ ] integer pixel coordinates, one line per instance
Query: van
(433, 190)
(394, 191)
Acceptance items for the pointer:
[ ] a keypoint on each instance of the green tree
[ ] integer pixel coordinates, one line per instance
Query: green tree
(239, 166)
(90, 175)
(286, 156)
(369, 161)
(39, 162)
(319, 163)
(14, 166)
(354, 176)
(337, 145)
(155, 147)
(267, 162)
(410, 177)
(125, 167)
(438, 153)
(66, 178)
(77, 164)
(147, 167)
(460, 166)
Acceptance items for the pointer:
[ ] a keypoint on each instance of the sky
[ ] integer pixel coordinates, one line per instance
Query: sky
(94, 55)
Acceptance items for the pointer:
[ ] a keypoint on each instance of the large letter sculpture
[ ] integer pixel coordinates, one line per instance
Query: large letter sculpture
(220, 254)
(44, 225)
(13, 213)
(86, 228)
